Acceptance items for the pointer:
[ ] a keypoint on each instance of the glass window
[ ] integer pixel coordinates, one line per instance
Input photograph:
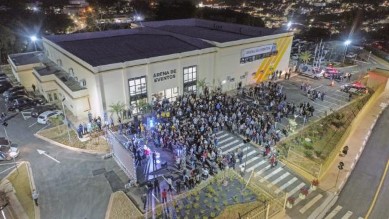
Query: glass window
(55, 96)
(190, 74)
(137, 86)
(50, 97)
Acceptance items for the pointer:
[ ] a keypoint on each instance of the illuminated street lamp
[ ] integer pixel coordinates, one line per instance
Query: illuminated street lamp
(33, 39)
(289, 24)
(346, 43)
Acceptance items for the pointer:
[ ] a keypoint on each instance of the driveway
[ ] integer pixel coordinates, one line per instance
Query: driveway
(77, 187)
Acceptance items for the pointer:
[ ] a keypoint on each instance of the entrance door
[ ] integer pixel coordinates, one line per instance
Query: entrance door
(170, 94)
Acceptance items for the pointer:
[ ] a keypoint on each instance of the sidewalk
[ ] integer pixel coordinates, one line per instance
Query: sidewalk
(334, 180)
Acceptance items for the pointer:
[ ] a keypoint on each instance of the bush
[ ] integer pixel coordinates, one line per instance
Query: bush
(318, 153)
(308, 154)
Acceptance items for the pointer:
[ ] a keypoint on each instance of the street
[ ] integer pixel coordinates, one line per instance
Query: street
(357, 195)
(77, 187)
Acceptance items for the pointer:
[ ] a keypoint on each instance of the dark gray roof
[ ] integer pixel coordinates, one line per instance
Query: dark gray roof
(26, 58)
(49, 67)
(210, 30)
(108, 47)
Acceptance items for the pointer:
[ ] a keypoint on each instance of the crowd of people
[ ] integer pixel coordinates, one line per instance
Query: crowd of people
(189, 125)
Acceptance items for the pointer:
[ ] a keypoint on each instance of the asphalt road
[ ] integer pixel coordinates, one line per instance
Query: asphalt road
(362, 185)
(68, 189)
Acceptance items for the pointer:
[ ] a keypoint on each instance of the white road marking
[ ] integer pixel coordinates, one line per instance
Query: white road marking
(262, 171)
(45, 153)
(32, 124)
(347, 215)
(225, 140)
(222, 136)
(270, 174)
(255, 166)
(251, 160)
(334, 212)
(301, 185)
(233, 148)
(310, 203)
(283, 176)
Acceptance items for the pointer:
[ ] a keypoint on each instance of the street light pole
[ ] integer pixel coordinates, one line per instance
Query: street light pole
(67, 122)
(33, 39)
(345, 50)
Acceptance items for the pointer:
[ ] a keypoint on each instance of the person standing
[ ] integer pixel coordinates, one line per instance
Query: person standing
(164, 196)
(33, 87)
(35, 196)
(154, 160)
(156, 186)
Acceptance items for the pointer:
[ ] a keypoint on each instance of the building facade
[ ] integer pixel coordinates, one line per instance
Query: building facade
(91, 71)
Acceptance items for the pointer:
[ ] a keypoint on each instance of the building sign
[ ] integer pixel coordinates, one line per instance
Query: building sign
(164, 75)
(257, 50)
(260, 52)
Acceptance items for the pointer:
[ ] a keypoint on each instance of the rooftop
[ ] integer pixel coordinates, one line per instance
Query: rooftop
(50, 67)
(26, 58)
(216, 31)
(116, 46)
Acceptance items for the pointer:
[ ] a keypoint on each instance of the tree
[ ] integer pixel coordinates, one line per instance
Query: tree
(201, 84)
(305, 57)
(117, 108)
(57, 23)
(175, 9)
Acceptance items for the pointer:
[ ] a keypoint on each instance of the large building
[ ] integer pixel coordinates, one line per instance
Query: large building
(91, 71)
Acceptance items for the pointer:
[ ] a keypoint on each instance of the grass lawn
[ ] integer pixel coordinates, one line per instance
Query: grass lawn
(21, 183)
(122, 207)
(59, 134)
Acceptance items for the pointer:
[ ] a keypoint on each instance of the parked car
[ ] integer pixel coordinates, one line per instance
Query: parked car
(12, 98)
(15, 93)
(22, 104)
(333, 73)
(5, 86)
(36, 111)
(15, 88)
(356, 87)
(7, 152)
(44, 117)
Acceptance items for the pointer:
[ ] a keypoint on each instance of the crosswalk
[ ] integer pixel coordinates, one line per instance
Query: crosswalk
(253, 161)
(340, 212)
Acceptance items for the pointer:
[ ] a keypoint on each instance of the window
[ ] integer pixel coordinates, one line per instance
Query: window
(190, 74)
(82, 82)
(137, 86)
(190, 78)
(190, 89)
(55, 96)
(138, 92)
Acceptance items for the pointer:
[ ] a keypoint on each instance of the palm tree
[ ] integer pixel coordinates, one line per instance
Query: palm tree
(201, 84)
(144, 106)
(117, 108)
(305, 57)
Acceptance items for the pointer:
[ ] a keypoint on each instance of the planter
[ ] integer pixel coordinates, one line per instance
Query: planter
(289, 205)
(313, 187)
(302, 196)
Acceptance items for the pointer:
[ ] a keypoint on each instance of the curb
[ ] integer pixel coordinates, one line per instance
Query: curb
(32, 184)
(69, 147)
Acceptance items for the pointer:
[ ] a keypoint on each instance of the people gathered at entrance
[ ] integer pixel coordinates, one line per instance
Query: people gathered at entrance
(189, 125)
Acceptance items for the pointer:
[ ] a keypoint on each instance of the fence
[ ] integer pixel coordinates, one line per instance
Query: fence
(122, 156)
(357, 121)
(311, 169)
(274, 202)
